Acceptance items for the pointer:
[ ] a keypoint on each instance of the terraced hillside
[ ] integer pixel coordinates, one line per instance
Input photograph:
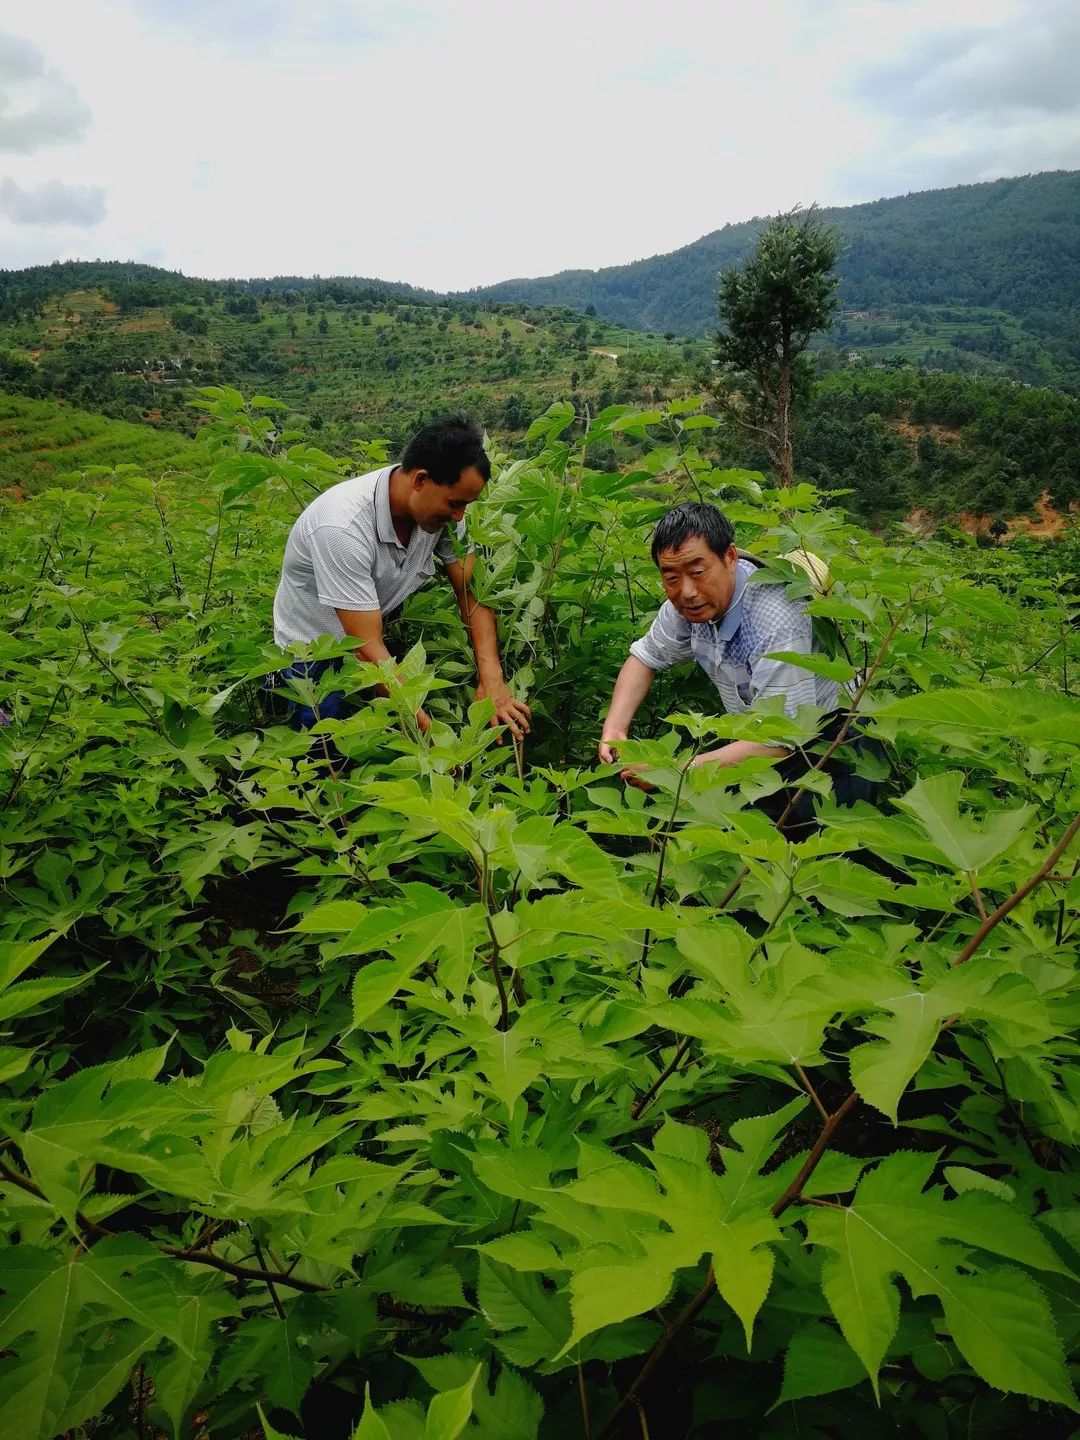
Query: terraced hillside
(351, 363)
(41, 441)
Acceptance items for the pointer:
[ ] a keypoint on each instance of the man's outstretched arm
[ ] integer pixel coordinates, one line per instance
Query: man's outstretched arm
(630, 690)
(484, 636)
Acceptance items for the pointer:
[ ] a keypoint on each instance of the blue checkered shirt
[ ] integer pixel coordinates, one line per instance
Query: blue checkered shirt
(732, 650)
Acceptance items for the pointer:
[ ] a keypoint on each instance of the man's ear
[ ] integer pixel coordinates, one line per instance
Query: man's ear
(418, 478)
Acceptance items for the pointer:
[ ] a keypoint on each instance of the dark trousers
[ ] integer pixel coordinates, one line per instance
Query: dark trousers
(334, 706)
(848, 786)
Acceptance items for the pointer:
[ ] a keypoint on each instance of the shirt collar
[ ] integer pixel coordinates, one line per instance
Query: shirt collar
(724, 629)
(384, 521)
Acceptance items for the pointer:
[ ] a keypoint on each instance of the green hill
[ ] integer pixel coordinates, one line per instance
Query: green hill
(979, 277)
(353, 360)
(41, 441)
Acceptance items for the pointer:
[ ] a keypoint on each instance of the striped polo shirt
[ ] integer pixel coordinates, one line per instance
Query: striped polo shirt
(732, 650)
(344, 554)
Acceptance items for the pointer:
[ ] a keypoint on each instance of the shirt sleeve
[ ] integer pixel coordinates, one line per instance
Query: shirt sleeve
(780, 677)
(667, 643)
(342, 563)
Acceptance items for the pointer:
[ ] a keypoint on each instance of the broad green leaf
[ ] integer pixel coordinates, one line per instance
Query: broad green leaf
(968, 717)
(963, 1178)
(523, 1251)
(333, 918)
(371, 1427)
(102, 1372)
(180, 1373)
(539, 1322)
(895, 1227)
(449, 1412)
(375, 985)
(935, 803)
(816, 664)
(1004, 1328)
(605, 1294)
(513, 1412)
(882, 1069)
(818, 1361)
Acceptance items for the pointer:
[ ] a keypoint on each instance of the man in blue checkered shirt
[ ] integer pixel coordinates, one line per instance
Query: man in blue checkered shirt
(729, 627)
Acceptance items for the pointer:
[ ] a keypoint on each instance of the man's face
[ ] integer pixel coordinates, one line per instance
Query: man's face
(435, 506)
(697, 581)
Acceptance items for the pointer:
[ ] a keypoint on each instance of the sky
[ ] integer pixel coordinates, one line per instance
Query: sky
(455, 143)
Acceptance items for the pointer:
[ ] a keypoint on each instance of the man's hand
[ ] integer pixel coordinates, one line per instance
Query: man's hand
(423, 719)
(514, 714)
(608, 748)
(608, 751)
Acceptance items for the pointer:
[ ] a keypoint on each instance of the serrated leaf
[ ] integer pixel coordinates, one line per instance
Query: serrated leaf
(523, 1251)
(605, 1294)
(1003, 1327)
(816, 664)
(818, 1361)
(450, 1412)
(895, 1227)
(935, 804)
(513, 1412)
(335, 917)
(371, 1427)
(538, 1321)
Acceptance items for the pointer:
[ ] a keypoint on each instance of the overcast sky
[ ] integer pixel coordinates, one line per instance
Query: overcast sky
(454, 143)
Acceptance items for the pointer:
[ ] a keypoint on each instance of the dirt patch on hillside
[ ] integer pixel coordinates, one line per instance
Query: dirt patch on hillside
(13, 492)
(941, 433)
(143, 324)
(1048, 523)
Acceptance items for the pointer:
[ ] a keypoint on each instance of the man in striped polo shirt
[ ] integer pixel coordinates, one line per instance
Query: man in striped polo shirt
(714, 617)
(364, 546)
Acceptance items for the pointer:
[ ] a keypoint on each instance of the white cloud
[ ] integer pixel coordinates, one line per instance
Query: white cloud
(52, 203)
(37, 106)
(460, 142)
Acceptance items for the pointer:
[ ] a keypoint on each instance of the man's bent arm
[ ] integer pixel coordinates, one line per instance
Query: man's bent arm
(630, 690)
(484, 636)
(366, 626)
(738, 750)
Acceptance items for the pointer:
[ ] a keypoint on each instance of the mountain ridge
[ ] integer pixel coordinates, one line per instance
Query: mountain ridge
(1008, 247)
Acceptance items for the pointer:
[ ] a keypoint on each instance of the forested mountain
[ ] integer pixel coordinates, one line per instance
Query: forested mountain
(351, 360)
(938, 271)
(354, 360)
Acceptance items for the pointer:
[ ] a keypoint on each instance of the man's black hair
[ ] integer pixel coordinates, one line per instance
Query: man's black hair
(693, 521)
(446, 447)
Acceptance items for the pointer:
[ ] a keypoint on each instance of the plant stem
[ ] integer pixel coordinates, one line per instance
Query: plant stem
(584, 1402)
(195, 1257)
(17, 778)
(657, 1353)
(1025, 889)
(641, 1105)
(269, 1284)
(495, 958)
(810, 1164)
(808, 1087)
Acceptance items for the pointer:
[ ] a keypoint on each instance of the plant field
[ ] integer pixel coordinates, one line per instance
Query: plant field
(42, 441)
(451, 1089)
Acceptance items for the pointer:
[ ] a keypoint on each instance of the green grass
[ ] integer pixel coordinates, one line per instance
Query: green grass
(41, 441)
